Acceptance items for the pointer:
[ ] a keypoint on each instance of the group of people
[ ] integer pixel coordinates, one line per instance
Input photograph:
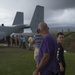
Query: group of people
(12, 40)
(49, 52)
(17, 40)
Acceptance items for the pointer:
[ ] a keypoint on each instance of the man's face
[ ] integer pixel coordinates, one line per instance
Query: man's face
(60, 38)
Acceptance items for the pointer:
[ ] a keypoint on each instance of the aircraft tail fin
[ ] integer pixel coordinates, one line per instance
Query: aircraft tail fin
(19, 19)
(37, 18)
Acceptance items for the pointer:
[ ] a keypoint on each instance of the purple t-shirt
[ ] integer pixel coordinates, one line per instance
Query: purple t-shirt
(49, 45)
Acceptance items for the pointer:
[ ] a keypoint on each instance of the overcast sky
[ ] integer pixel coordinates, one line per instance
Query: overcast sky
(56, 11)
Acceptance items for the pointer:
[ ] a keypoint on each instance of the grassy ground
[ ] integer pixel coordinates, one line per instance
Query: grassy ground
(70, 63)
(17, 61)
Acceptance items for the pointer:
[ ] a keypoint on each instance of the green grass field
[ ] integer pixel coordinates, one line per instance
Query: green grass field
(17, 61)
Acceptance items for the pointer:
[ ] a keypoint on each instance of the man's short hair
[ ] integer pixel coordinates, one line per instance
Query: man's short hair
(60, 33)
(42, 26)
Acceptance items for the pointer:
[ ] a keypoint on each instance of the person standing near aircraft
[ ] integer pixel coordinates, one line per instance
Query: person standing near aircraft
(30, 40)
(22, 42)
(17, 40)
(60, 53)
(8, 40)
(13, 40)
(47, 61)
(37, 39)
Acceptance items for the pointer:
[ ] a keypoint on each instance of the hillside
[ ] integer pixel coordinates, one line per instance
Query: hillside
(69, 42)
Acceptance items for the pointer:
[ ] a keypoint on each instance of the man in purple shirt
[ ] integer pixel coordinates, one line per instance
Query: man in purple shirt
(47, 61)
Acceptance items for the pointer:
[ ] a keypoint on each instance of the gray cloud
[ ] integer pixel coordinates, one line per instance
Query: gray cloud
(55, 10)
(61, 4)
